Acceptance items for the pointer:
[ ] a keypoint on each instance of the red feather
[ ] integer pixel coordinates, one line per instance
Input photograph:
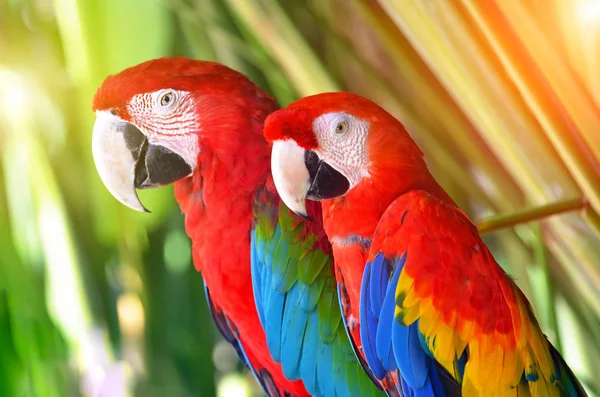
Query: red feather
(450, 281)
(473, 299)
(341, 217)
(233, 162)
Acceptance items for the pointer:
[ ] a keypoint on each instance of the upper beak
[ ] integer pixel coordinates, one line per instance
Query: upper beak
(300, 174)
(290, 175)
(126, 161)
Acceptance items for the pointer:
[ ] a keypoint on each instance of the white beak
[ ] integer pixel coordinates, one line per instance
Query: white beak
(290, 175)
(115, 159)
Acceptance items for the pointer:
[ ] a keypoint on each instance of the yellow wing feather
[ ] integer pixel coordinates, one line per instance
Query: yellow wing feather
(465, 301)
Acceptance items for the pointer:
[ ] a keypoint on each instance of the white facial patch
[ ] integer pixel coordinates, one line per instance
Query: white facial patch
(166, 112)
(167, 117)
(346, 152)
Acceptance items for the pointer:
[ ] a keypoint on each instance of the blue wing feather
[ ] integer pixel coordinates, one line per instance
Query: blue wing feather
(298, 312)
(339, 372)
(389, 346)
(368, 323)
(418, 372)
(310, 294)
(325, 370)
(286, 319)
(413, 362)
(383, 341)
(362, 362)
(293, 328)
(274, 308)
(308, 370)
(257, 282)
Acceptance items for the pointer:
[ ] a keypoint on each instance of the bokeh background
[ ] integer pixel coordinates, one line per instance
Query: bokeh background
(97, 300)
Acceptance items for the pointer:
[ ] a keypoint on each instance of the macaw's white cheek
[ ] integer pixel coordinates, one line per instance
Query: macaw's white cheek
(186, 146)
(347, 152)
(173, 125)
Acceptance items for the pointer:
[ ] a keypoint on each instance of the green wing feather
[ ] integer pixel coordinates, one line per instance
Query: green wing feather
(296, 297)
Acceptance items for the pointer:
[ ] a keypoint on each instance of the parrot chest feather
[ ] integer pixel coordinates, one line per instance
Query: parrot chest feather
(219, 219)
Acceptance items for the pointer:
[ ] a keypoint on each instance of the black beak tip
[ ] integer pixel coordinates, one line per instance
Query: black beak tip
(305, 216)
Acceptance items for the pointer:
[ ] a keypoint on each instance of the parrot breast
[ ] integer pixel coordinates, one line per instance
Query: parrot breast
(217, 201)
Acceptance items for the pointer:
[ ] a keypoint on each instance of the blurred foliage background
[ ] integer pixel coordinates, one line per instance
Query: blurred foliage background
(97, 300)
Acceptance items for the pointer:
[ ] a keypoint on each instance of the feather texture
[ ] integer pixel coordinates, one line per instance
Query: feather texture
(414, 268)
(224, 112)
(455, 305)
(296, 295)
(437, 315)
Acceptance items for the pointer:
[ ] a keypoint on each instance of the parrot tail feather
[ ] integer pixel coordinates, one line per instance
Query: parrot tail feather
(566, 377)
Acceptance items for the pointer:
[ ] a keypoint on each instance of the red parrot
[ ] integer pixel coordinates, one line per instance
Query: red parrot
(268, 273)
(435, 313)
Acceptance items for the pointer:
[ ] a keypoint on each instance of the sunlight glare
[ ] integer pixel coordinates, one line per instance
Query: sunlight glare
(589, 11)
(233, 385)
(13, 93)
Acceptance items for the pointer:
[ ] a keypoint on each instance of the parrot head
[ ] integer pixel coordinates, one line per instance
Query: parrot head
(330, 145)
(154, 119)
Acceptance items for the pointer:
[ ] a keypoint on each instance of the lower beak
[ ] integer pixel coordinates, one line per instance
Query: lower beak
(300, 174)
(126, 161)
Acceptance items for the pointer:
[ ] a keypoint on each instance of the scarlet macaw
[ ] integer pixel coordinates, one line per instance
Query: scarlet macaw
(199, 125)
(437, 315)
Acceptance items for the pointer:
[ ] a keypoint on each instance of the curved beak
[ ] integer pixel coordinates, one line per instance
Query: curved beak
(300, 174)
(126, 161)
(290, 175)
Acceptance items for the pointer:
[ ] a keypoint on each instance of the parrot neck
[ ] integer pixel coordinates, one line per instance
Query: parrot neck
(358, 212)
(350, 223)
(217, 202)
(233, 162)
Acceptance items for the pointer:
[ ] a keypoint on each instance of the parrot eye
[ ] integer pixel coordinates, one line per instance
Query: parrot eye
(166, 99)
(341, 128)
